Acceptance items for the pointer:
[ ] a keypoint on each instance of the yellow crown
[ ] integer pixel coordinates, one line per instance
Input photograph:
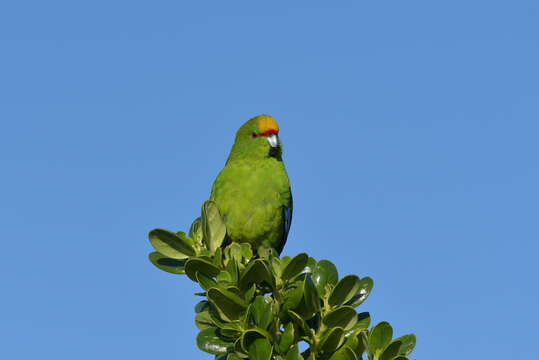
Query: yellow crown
(267, 123)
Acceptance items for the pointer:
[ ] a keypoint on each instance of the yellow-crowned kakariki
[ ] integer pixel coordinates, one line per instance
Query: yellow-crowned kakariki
(252, 192)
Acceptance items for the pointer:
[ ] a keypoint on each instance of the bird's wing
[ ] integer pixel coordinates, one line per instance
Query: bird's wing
(287, 216)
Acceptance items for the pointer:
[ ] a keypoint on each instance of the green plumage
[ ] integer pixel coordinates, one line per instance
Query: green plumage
(252, 191)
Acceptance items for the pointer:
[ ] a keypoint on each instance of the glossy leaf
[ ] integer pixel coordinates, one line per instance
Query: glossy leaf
(293, 353)
(295, 266)
(229, 305)
(332, 340)
(224, 278)
(209, 341)
(407, 344)
(246, 251)
(167, 264)
(255, 273)
(213, 226)
(201, 306)
(223, 324)
(204, 281)
(300, 323)
(260, 311)
(391, 350)
(344, 291)
(233, 357)
(250, 335)
(344, 353)
(170, 244)
(260, 349)
(293, 295)
(363, 322)
(287, 338)
(309, 267)
(344, 316)
(311, 298)
(203, 320)
(218, 257)
(380, 337)
(365, 288)
(324, 273)
(233, 251)
(249, 294)
(233, 270)
(196, 233)
(194, 265)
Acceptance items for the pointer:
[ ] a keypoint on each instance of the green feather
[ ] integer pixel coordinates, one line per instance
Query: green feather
(253, 193)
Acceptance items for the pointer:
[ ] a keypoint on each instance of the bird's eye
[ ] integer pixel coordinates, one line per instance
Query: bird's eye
(254, 135)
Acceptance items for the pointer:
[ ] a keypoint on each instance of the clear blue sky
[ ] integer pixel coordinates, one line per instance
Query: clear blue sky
(411, 139)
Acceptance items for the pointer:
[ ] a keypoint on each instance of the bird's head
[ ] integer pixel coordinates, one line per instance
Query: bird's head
(257, 138)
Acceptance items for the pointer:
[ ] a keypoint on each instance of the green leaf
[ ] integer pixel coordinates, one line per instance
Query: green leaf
(233, 357)
(218, 257)
(380, 337)
(357, 342)
(194, 265)
(332, 340)
(344, 353)
(246, 251)
(324, 273)
(287, 338)
(250, 335)
(233, 270)
(224, 278)
(196, 233)
(345, 290)
(255, 273)
(293, 295)
(170, 244)
(249, 294)
(295, 266)
(365, 288)
(363, 322)
(205, 281)
(233, 251)
(260, 349)
(284, 261)
(229, 305)
(208, 340)
(391, 350)
(261, 312)
(213, 226)
(203, 320)
(407, 344)
(223, 324)
(167, 264)
(293, 353)
(201, 306)
(301, 324)
(344, 316)
(312, 300)
(309, 267)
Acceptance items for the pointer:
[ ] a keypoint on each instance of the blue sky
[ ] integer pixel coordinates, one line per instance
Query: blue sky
(410, 135)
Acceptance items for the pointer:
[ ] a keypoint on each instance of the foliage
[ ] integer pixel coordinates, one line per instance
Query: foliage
(260, 306)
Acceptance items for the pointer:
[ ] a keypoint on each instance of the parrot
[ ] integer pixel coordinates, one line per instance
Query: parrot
(252, 192)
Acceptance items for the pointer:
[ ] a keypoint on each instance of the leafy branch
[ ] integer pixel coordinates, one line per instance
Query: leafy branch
(260, 306)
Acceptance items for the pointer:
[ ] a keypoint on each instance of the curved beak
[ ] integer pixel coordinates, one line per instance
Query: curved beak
(273, 140)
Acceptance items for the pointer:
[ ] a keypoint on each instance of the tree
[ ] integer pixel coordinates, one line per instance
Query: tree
(260, 307)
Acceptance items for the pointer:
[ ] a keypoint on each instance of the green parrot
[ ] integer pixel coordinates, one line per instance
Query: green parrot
(252, 192)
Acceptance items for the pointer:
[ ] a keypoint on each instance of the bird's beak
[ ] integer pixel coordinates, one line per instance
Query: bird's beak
(273, 140)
